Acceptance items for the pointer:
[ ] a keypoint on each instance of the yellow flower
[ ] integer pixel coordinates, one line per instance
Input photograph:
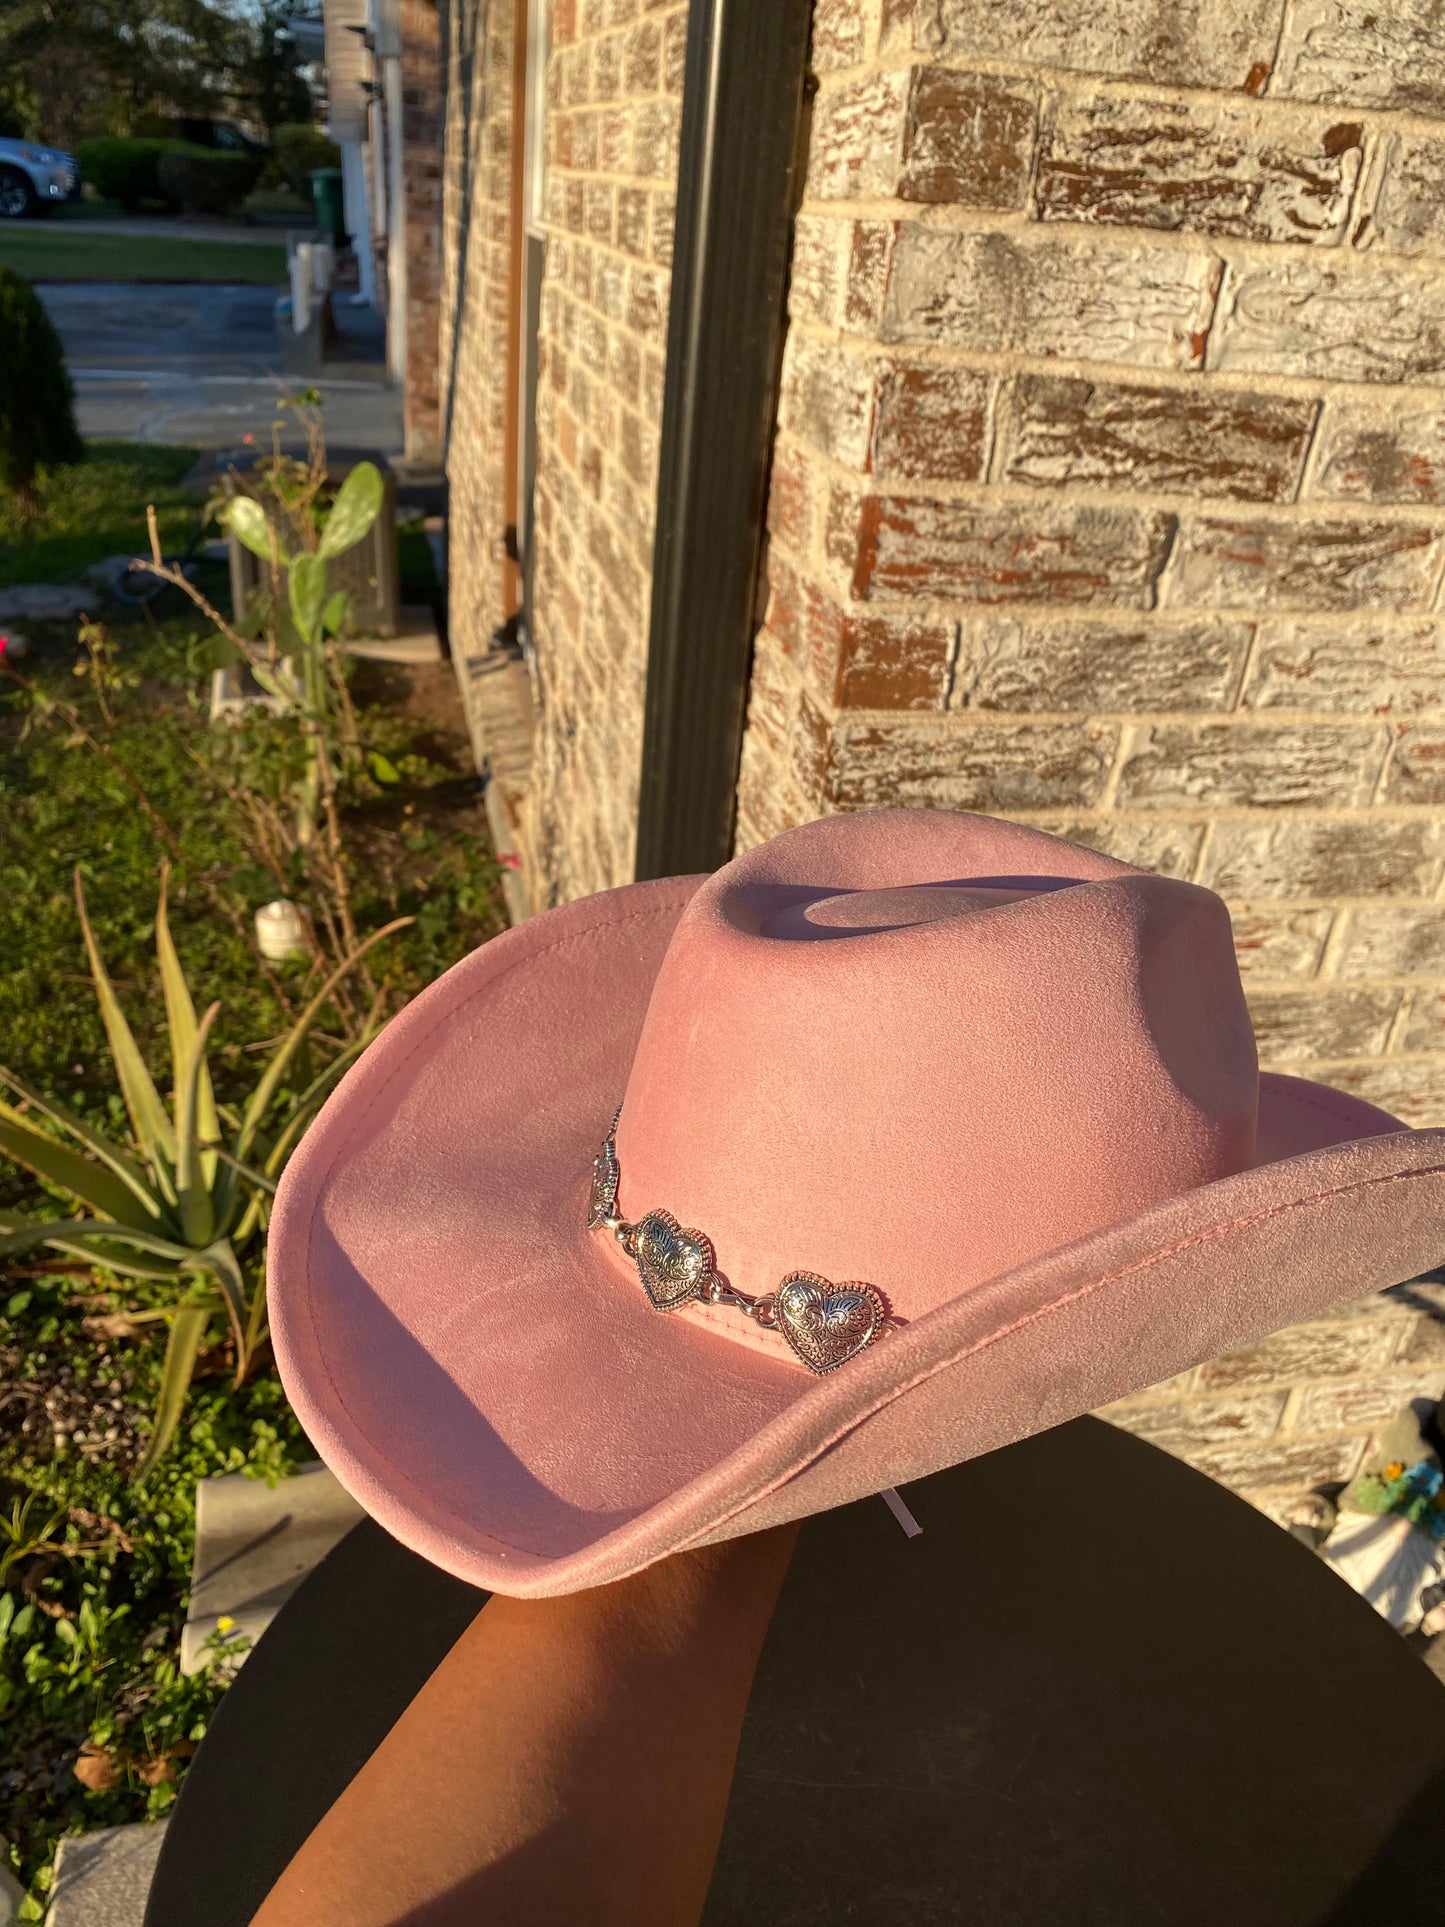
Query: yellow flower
(225, 1624)
(1394, 1469)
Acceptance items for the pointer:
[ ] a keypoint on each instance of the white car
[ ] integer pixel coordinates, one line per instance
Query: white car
(33, 178)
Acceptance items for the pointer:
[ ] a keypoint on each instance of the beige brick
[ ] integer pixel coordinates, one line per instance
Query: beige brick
(1424, 1344)
(1409, 211)
(1409, 1088)
(1296, 1463)
(1304, 1354)
(931, 424)
(1225, 766)
(1058, 429)
(1196, 166)
(1203, 43)
(901, 546)
(1374, 450)
(818, 269)
(1231, 563)
(859, 658)
(827, 399)
(1293, 1025)
(1168, 849)
(1425, 1026)
(1362, 856)
(1417, 769)
(1363, 53)
(989, 766)
(1045, 294)
(1367, 1406)
(856, 145)
(885, 415)
(871, 246)
(1370, 320)
(1371, 665)
(1183, 1426)
(1280, 943)
(1030, 662)
(840, 35)
(1392, 940)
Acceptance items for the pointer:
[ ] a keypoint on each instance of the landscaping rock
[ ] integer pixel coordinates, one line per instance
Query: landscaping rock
(44, 602)
(102, 1879)
(255, 1543)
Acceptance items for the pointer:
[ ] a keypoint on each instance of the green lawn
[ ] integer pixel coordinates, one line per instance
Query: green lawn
(53, 253)
(96, 508)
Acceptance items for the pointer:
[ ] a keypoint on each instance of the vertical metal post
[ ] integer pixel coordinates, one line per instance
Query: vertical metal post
(742, 102)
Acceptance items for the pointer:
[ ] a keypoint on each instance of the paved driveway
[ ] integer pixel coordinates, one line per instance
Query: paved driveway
(197, 365)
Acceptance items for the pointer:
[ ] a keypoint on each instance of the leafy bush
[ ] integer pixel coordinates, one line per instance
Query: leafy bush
(298, 149)
(203, 180)
(37, 402)
(123, 169)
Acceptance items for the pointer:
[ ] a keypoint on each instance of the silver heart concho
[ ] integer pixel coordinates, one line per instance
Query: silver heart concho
(823, 1324)
(674, 1263)
(827, 1324)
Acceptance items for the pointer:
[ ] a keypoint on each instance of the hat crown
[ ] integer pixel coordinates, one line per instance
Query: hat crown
(918, 1048)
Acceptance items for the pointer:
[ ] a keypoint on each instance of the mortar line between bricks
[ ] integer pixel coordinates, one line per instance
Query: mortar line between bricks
(1303, 496)
(1318, 987)
(1194, 381)
(1395, 1036)
(1095, 85)
(1124, 745)
(957, 217)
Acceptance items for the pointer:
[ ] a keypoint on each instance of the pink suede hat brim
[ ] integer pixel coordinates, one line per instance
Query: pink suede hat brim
(500, 1396)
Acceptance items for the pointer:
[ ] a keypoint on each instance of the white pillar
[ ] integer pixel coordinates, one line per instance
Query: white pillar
(356, 208)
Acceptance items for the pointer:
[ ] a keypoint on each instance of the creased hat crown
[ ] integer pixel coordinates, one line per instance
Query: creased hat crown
(918, 1049)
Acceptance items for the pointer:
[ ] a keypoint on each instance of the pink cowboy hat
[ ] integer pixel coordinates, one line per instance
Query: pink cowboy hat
(935, 1132)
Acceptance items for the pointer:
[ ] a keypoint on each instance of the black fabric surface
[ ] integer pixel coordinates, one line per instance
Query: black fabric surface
(1099, 1691)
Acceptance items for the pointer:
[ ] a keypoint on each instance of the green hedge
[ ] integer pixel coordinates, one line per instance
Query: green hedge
(37, 417)
(205, 180)
(298, 149)
(124, 169)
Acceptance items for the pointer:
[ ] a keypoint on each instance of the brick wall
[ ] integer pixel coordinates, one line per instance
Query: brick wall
(472, 327)
(614, 95)
(421, 137)
(1109, 491)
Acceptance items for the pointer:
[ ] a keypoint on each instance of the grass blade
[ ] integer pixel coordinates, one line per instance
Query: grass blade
(82, 1177)
(198, 1217)
(181, 1021)
(309, 1103)
(220, 1260)
(148, 1117)
(270, 1082)
(188, 1330)
(124, 1166)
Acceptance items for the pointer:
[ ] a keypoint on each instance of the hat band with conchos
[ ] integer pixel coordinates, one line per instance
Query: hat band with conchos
(824, 1324)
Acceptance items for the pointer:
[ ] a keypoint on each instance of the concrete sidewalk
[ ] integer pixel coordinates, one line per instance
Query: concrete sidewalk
(200, 366)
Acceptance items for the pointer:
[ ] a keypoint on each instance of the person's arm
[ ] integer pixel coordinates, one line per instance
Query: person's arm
(568, 1763)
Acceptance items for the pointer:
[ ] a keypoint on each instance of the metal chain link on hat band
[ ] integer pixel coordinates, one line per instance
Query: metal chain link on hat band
(824, 1324)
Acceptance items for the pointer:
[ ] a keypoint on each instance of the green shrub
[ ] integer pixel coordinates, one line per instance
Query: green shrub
(298, 149)
(204, 180)
(37, 402)
(123, 169)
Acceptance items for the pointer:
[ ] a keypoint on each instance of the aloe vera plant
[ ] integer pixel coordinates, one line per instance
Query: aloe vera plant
(188, 1201)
